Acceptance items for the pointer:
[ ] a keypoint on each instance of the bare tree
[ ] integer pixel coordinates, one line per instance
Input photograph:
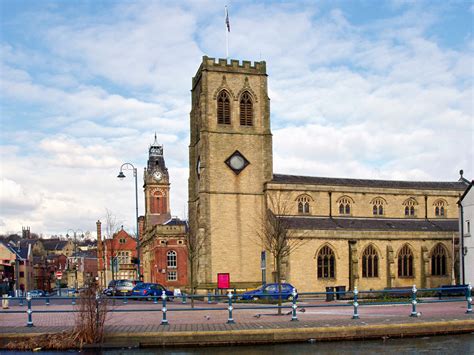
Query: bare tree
(111, 227)
(195, 247)
(276, 234)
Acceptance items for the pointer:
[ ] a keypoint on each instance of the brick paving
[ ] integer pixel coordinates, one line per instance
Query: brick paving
(145, 317)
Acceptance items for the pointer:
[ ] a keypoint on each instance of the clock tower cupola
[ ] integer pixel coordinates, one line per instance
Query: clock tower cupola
(156, 187)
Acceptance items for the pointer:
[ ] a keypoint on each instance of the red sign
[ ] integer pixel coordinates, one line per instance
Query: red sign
(223, 280)
(59, 274)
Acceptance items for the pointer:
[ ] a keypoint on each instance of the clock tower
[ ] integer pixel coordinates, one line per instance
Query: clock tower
(156, 187)
(230, 159)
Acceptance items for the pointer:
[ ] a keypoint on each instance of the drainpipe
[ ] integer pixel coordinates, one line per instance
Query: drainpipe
(461, 237)
(330, 204)
(426, 207)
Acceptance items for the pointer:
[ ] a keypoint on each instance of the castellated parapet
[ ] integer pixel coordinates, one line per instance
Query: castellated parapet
(232, 65)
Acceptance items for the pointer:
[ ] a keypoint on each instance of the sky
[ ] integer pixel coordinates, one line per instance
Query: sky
(358, 89)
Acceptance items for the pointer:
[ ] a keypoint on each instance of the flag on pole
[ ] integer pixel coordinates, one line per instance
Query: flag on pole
(227, 22)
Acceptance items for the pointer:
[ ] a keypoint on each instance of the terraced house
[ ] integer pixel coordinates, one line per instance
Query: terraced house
(355, 232)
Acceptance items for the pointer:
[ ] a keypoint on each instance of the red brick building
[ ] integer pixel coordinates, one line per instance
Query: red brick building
(116, 257)
(163, 238)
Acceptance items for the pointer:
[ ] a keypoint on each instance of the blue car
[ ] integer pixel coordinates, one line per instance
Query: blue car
(270, 291)
(151, 290)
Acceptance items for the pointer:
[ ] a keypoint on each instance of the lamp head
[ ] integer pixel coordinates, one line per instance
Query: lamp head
(121, 175)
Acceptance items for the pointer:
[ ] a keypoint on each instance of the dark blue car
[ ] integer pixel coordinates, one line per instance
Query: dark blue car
(270, 291)
(151, 290)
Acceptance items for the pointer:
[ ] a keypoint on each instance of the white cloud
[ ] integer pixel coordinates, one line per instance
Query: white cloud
(381, 99)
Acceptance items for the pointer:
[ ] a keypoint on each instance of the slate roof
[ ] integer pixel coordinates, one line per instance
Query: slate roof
(385, 224)
(315, 180)
(175, 222)
(22, 253)
(92, 254)
(54, 244)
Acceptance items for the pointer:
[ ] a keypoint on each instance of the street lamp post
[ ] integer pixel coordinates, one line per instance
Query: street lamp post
(121, 175)
(75, 252)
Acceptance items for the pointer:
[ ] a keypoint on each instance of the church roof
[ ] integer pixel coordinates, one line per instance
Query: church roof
(385, 224)
(316, 180)
(54, 244)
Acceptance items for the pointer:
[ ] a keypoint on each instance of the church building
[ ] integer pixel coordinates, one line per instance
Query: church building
(363, 233)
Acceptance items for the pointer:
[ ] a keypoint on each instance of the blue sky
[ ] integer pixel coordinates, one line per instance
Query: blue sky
(361, 89)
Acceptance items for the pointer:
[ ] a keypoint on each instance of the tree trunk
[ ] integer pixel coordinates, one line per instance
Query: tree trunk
(192, 285)
(278, 267)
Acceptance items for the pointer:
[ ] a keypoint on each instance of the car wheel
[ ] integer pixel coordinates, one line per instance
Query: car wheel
(255, 298)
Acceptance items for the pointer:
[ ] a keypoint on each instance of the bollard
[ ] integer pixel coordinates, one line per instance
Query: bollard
(73, 299)
(97, 301)
(20, 295)
(230, 308)
(469, 298)
(164, 321)
(209, 298)
(47, 299)
(294, 306)
(5, 304)
(355, 304)
(413, 302)
(155, 299)
(183, 298)
(29, 311)
(125, 301)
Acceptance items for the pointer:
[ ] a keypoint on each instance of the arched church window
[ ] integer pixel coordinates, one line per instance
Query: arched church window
(246, 110)
(171, 257)
(345, 205)
(440, 208)
(410, 205)
(439, 260)
(326, 263)
(370, 262)
(303, 204)
(378, 205)
(223, 108)
(405, 262)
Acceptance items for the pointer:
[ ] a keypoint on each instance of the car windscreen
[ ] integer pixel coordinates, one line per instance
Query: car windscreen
(141, 286)
(124, 284)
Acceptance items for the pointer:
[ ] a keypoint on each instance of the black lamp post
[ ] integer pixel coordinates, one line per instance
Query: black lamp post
(75, 252)
(121, 175)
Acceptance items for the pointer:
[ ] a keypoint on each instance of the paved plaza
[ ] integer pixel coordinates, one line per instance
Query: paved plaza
(147, 314)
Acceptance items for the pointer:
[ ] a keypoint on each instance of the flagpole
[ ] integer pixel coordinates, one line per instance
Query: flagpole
(226, 34)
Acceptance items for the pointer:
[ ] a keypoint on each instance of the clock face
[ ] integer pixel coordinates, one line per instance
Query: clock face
(237, 162)
(198, 168)
(157, 175)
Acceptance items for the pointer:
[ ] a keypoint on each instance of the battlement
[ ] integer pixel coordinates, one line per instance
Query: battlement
(232, 65)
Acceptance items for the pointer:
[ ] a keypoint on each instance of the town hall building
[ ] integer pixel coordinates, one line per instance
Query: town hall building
(363, 233)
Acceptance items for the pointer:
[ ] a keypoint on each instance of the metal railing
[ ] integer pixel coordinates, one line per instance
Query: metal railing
(351, 298)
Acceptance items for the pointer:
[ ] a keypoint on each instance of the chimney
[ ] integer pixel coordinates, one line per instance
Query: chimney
(99, 232)
(100, 254)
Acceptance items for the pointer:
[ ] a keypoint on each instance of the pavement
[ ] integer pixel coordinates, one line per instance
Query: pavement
(140, 322)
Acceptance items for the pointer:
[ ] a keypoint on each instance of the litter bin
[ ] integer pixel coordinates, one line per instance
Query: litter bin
(329, 294)
(341, 292)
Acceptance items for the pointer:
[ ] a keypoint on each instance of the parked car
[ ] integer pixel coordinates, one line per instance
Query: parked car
(37, 293)
(120, 287)
(270, 291)
(152, 290)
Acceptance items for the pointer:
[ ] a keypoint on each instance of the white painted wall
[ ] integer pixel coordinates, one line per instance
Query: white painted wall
(468, 206)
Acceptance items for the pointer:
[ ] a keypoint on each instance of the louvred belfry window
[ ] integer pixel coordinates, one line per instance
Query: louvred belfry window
(223, 108)
(246, 110)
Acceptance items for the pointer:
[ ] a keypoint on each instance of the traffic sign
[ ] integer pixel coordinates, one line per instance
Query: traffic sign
(59, 275)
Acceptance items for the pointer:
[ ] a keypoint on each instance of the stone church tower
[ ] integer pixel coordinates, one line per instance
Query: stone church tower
(230, 157)
(156, 187)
